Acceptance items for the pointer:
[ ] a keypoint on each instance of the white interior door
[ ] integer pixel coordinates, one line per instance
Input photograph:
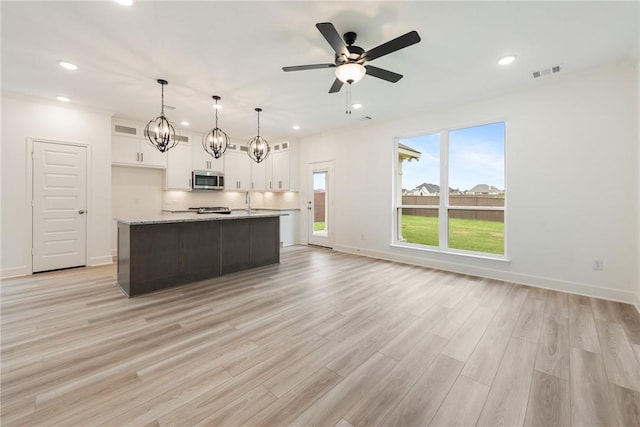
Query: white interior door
(59, 206)
(320, 204)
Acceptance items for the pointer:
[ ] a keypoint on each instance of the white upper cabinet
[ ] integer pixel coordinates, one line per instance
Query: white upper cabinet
(179, 167)
(237, 168)
(130, 147)
(278, 169)
(259, 175)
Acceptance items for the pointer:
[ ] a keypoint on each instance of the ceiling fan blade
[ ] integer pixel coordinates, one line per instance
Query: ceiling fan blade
(336, 86)
(308, 67)
(383, 74)
(331, 35)
(398, 43)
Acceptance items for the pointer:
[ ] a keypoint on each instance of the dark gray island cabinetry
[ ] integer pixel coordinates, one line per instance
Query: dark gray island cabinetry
(170, 250)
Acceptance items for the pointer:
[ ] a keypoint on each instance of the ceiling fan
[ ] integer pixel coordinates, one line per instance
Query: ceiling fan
(350, 60)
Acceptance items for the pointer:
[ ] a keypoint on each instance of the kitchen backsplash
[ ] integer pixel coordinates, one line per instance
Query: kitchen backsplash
(178, 200)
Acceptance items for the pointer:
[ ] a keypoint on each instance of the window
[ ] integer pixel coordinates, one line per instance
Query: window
(468, 164)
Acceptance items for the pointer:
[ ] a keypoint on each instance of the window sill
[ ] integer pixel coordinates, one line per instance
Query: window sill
(457, 253)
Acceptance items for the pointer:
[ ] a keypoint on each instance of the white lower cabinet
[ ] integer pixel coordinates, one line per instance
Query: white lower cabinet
(289, 228)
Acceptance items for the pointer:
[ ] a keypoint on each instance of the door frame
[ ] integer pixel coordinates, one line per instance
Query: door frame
(29, 199)
(316, 167)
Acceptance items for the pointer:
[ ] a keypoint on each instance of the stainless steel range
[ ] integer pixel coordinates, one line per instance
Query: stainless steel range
(212, 210)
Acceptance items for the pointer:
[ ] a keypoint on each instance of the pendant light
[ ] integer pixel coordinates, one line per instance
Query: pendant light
(258, 147)
(159, 131)
(215, 141)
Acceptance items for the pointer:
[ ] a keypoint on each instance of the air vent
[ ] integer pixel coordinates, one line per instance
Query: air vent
(244, 148)
(276, 147)
(285, 145)
(232, 147)
(182, 138)
(546, 72)
(126, 129)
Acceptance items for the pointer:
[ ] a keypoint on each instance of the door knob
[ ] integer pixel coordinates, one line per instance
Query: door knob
(81, 211)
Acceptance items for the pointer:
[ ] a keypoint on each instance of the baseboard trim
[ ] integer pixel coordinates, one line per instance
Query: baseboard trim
(7, 273)
(507, 276)
(100, 260)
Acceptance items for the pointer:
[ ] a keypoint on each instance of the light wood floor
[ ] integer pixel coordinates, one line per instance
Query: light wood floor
(321, 339)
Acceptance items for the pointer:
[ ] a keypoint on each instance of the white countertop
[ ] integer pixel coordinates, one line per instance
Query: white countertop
(169, 217)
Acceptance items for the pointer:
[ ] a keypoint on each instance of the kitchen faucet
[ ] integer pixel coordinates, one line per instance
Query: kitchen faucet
(247, 200)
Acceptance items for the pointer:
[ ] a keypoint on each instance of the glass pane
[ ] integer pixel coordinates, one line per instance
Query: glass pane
(476, 166)
(418, 225)
(479, 231)
(419, 170)
(320, 216)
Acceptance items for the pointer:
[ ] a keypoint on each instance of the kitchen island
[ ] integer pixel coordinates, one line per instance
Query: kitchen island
(173, 249)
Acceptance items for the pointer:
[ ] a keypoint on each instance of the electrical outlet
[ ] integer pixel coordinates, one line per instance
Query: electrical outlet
(598, 264)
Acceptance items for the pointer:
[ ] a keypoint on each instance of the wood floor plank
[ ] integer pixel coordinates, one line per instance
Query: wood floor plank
(322, 338)
(291, 405)
(627, 405)
(553, 349)
(549, 401)
(486, 357)
(463, 404)
(507, 401)
(620, 362)
(590, 398)
(420, 404)
(582, 327)
(465, 340)
(380, 400)
(333, 406)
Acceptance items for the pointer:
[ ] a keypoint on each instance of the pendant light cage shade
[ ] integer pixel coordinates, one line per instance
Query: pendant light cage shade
(160, 131)
(258, 148)
(215, 141)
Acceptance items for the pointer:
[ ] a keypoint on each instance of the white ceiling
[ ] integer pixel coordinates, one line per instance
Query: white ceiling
(237, 50)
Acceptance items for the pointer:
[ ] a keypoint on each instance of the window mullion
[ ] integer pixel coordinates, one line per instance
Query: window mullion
(443, 213)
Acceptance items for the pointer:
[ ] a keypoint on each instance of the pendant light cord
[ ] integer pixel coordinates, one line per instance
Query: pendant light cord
(162, 101)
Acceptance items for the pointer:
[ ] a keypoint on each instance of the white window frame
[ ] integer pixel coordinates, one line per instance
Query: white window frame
(444, 207)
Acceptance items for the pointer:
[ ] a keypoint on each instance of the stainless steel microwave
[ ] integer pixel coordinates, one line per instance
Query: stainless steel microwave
(207, 180)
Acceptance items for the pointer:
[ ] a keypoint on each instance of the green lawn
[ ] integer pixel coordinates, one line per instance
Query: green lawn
(318, 226)
(467, 234)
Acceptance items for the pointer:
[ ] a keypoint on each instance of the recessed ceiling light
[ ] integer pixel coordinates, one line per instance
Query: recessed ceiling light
(357, 106)
(63, 98)
(506, 59)
(68, 65)
(124, 2)
(184, 123)
(296, 127)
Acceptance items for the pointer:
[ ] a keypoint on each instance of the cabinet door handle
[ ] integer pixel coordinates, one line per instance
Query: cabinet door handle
(189, 182)
(137, 157)
(142, 157)
(280, 184)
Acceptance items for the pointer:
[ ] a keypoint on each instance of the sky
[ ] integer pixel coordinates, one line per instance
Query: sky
(476, 156)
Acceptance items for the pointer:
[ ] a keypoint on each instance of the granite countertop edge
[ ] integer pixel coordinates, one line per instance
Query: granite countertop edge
(183, 216)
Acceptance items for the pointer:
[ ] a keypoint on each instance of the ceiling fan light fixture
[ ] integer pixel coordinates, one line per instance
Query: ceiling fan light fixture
(258, 148)
(215, 141)
(160, 131)
(351, 72)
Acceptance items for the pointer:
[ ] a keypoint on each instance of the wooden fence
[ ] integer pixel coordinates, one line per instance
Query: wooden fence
(466, 201)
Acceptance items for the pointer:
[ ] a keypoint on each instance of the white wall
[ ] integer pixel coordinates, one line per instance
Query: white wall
(27, 118)
(572, 185)
(135, 192)
(638, 182)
